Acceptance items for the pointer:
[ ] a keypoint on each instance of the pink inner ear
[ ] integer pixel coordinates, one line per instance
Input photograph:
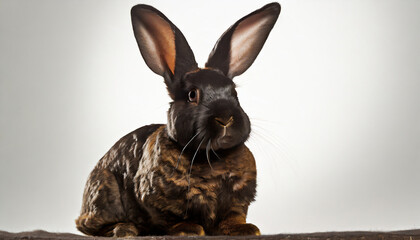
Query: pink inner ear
(247, 41)
(158, 42)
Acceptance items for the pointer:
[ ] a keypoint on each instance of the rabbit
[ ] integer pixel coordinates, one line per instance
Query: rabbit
(193, 175)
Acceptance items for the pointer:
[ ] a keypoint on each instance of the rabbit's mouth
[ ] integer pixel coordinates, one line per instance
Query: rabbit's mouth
(224, 142)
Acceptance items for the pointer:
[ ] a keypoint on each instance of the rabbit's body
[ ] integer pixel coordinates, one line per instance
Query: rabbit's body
(155, 191)
(194, 175)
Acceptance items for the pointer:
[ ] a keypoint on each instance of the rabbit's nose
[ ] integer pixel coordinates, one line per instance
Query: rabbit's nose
(224, 122)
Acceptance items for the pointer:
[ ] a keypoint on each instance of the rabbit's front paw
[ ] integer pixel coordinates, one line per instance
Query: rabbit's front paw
(124, 230)
(187, 229)
(242, 230)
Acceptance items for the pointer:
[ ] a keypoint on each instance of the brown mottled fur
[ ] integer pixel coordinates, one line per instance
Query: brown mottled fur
(123, 189)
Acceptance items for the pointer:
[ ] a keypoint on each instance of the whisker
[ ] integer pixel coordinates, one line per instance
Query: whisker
(192, 162)
(189, 175)
(207, 153)
(282, 149)
(183, 149)
(215, 153)
(273, 151)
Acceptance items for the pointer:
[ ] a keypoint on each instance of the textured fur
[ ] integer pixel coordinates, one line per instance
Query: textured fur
(152, 191)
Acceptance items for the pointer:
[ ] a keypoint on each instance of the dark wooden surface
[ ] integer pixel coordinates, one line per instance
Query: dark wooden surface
(400, 235)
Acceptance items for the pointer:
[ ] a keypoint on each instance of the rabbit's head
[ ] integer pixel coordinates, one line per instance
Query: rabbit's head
(205, 111)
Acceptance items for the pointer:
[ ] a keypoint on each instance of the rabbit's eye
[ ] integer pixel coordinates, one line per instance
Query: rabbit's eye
(193, 96)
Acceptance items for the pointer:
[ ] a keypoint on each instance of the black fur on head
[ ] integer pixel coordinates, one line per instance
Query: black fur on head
(205, 110)
(215, 115)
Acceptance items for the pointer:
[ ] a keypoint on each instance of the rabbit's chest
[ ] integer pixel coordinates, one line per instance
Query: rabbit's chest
(199, 195)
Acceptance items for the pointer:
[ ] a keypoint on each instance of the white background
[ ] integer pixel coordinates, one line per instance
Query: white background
(334, 99)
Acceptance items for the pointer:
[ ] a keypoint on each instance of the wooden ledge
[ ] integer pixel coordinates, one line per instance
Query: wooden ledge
(396, 235)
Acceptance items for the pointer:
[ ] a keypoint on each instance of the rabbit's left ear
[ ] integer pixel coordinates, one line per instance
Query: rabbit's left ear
(238, 47)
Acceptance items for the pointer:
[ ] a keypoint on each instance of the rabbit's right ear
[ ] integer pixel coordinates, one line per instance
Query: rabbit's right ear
(162, 45)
